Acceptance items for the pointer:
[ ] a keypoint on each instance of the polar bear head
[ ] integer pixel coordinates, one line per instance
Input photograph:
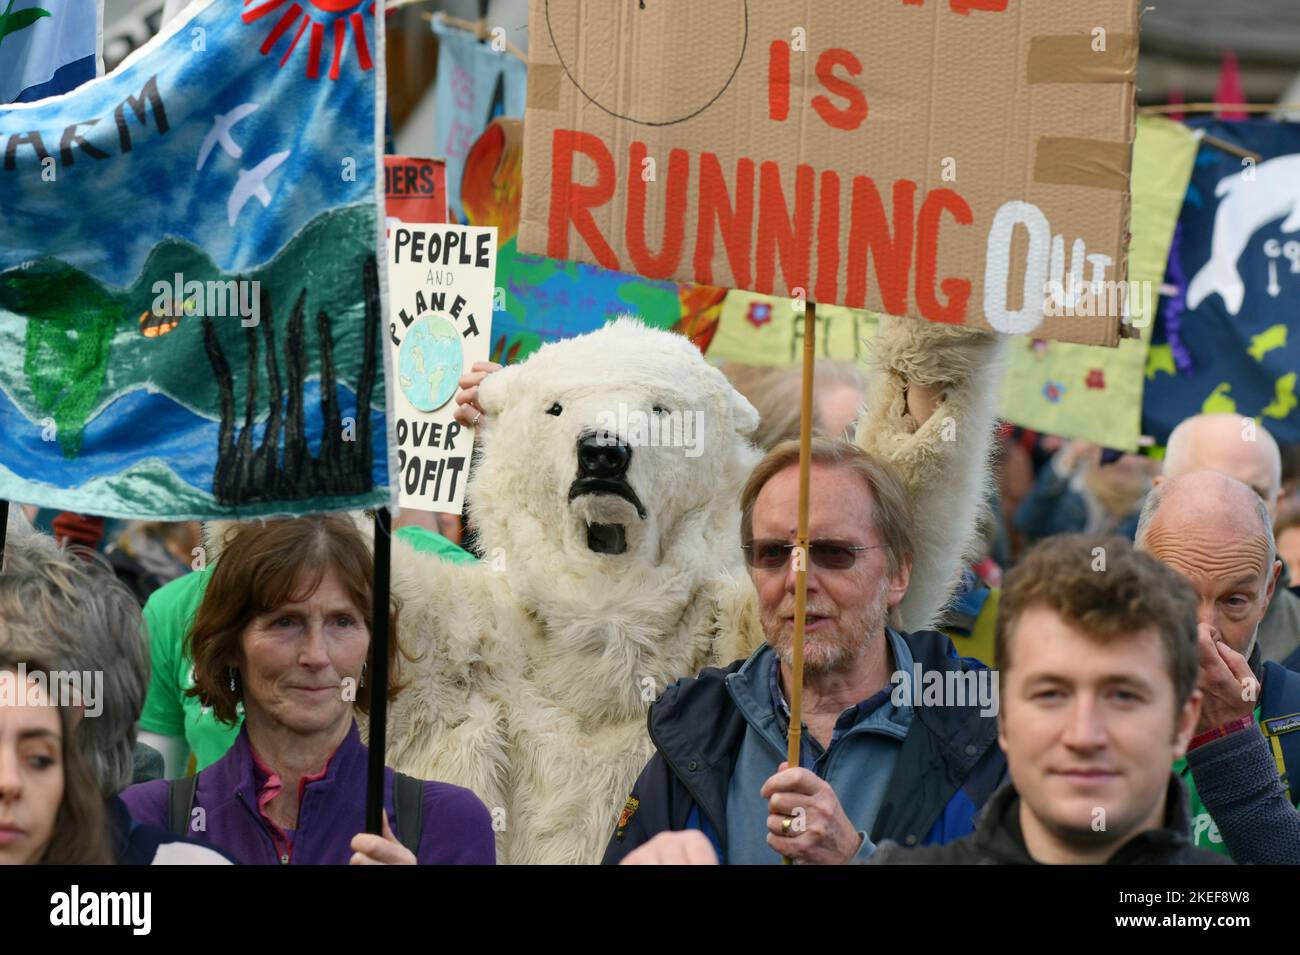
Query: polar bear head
(610, 462)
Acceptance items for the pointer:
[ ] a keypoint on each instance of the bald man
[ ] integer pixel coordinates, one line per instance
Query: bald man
(1215, 531)
(1241, 448)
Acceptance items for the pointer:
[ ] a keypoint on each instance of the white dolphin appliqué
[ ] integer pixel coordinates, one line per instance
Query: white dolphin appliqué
(1250, 205)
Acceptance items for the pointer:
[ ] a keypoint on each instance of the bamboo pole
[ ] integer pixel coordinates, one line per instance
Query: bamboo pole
(1231, 148)
(801, 541)
(479, 29)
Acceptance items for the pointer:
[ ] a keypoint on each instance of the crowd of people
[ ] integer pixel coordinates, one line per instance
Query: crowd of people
(1111, 682)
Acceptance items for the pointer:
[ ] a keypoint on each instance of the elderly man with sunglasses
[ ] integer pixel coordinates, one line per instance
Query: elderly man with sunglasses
(879, 759)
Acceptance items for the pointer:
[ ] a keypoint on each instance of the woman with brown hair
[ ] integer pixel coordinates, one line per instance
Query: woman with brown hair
(50, 809)
(284, 633)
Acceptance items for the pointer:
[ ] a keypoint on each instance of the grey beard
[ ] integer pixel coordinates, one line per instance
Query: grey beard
(877, 621)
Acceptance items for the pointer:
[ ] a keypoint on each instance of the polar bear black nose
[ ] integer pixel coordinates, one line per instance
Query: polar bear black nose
(602, 455)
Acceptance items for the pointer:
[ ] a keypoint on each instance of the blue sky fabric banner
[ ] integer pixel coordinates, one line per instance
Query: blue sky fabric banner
(191, 296)
(48, 47)
(475, 85)
(1229, 341)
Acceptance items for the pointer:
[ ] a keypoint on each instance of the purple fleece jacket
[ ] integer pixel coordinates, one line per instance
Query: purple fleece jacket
(457, 827)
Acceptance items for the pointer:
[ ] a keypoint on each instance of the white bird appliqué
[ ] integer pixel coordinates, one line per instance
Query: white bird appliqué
(222, 123)
(252, 182)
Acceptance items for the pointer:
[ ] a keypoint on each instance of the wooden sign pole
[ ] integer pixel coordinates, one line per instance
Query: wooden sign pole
(801, 541)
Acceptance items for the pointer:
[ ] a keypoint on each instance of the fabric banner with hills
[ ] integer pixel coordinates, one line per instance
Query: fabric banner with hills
(190, 297)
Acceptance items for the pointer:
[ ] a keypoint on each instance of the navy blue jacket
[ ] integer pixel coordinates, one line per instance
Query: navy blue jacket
(949, 764)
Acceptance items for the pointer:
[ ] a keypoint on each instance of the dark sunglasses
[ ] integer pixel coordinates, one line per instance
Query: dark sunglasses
(827, 554)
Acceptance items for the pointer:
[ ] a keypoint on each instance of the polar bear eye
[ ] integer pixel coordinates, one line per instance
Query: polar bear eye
(659, 409)
(554, 409)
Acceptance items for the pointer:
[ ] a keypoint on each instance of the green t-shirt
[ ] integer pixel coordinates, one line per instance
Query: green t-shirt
(430, 542)
(1205, 832)
(168, 711)
(168, 614)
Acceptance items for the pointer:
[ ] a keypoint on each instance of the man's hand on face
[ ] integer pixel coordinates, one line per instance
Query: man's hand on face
(688, 847)
(1230, 689)
(819, 833)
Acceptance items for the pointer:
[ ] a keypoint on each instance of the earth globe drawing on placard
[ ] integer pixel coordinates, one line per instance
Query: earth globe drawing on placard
(430, 363)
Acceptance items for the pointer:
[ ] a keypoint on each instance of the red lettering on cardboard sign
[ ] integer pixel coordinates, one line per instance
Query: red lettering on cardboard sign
(734, 219)
(840, 117)
(777, 227)
(869, 236)
(573, 202)
(964, 7)
(663, 265)
(778, 80)
(927, 251)
(828, 239)
(894, 244)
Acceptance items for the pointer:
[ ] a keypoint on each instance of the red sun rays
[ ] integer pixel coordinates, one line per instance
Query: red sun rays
(327, 19)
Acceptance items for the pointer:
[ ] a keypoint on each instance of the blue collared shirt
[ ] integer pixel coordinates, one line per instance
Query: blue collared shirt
(811, 753)
(857, 764)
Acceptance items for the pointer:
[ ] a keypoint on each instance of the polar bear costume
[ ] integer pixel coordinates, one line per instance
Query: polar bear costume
(535, 667)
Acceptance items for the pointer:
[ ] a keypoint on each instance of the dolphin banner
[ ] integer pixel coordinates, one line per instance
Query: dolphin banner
(191, 293)
(1229, 340)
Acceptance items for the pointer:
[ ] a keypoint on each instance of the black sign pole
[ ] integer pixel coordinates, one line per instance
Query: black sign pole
(378, 675)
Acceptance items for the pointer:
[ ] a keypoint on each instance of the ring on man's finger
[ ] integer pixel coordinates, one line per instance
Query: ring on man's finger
(786, 823)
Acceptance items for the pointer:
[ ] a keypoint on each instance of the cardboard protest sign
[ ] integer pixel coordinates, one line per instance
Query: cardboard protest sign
(961, 161)
(191, 302)
(442, 281)
(415, 190)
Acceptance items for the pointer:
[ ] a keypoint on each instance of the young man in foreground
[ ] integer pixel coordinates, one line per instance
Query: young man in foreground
(1097, 645)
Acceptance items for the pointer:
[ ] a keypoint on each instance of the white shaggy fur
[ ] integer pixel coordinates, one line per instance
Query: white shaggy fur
(944, 463)
(536, 666)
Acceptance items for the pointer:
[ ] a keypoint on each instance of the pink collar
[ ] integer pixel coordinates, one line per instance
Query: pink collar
(269, 785)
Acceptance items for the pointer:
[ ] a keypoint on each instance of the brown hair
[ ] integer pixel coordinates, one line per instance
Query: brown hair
(263, 566)
(1127, 594)
(80, 834)
(891, 508)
